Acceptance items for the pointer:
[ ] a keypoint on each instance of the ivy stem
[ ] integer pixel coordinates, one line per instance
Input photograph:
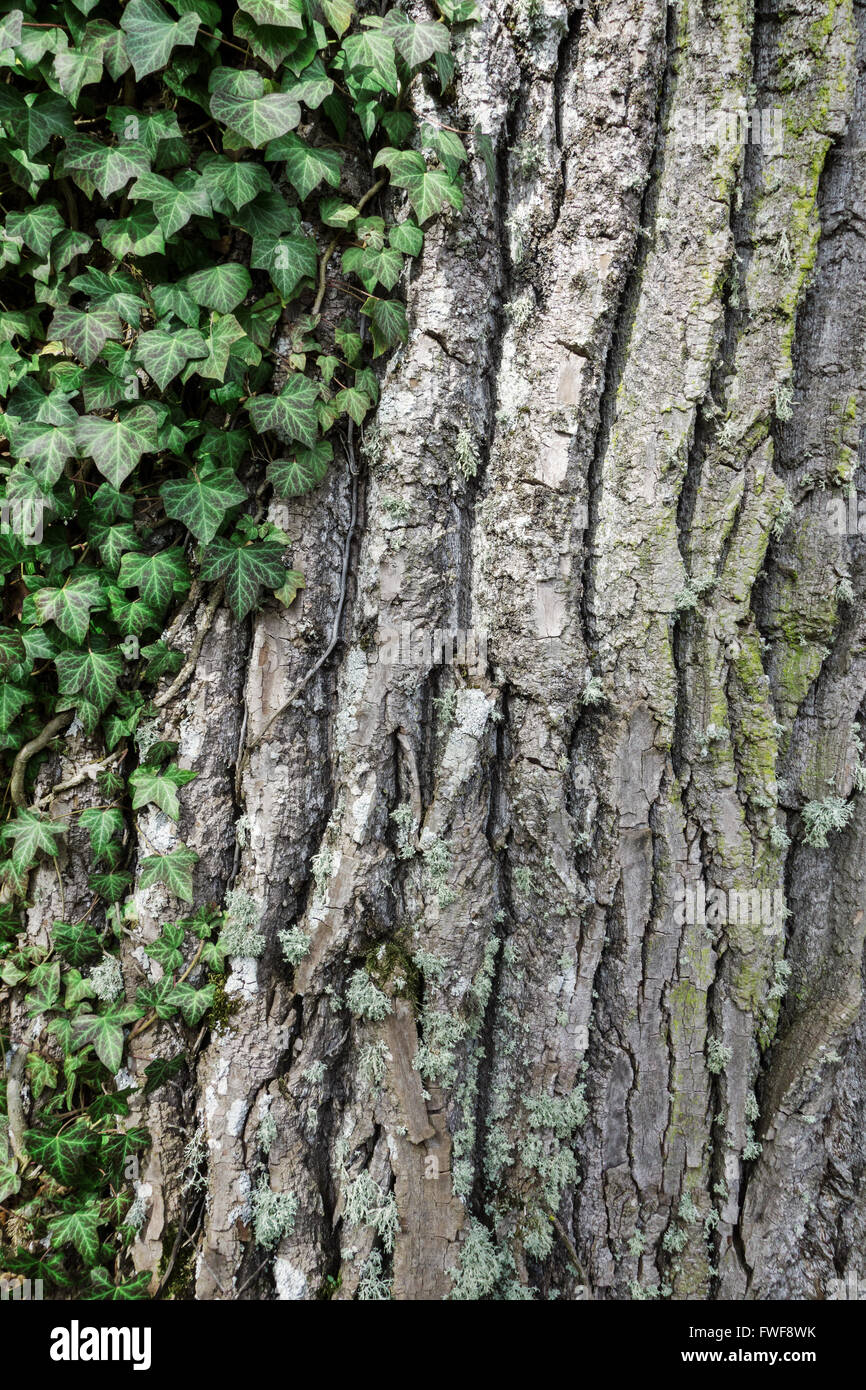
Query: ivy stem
(334, 243)
(29, 750)
(145, 1023)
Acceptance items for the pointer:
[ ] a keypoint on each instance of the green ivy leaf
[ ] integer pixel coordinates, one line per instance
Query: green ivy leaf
(70, 606)
(105, 1032)
(77, 943)
(32, 834)
(291, 415)
(93, 674)
(103, 825)
(238, 98)
(85, 332)
(173, 869)
(161, 1070)
(194, 1003)
(163, 354)
(152, 35)
(107, 168)
(294, 476)
(106, 1290)
(415, 41)
(233, 182)
(117, 445)
(159, 578)
(173, 203)
(246, 568)
(388, 323)
(148, 785)
(202, 501)
(306, 165)
(65, 1156)
(79, 1228)
(220, 287)
(370, 58)
(167, 950)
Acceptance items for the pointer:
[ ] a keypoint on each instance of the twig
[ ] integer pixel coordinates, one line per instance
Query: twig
(87, 774)
(334, 243)
(335, 630)
(145, 1023)
(29, 750)
(191, 662)
(569, 1245)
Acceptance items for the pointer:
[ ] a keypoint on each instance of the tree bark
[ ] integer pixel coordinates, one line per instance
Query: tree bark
(647, 344)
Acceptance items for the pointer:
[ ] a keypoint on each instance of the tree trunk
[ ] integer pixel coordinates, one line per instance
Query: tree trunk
(621, 1046)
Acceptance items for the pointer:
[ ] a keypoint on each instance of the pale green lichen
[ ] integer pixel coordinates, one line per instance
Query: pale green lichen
(273, 1214)
(365, 999)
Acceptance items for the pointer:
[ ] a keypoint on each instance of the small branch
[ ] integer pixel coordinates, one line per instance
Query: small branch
(145, 1023)
(569, 1245)
(191, 662)
(335, 629)
(87, 774)
(29, 750)
(334, 243)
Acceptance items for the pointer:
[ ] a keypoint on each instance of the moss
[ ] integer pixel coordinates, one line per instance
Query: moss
(182, 1279)
(393, 969)
(223, 1008)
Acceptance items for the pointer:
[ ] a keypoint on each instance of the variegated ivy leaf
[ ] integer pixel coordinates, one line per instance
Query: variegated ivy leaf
(152, 35)
(117, 445)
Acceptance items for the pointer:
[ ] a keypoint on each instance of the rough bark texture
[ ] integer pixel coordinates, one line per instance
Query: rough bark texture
(649, 347)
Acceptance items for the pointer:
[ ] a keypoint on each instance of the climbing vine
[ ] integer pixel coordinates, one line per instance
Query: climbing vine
(182, 185)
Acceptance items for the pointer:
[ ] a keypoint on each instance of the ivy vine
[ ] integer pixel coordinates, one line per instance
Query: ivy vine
(183, 182)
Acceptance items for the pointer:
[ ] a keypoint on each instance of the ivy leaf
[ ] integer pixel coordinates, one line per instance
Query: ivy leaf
(224, 332)
(194, 1003)
(106, 1290)
(75, 68)
(164, 354)
(108, 167)
(202, 501)
(93, 674)
(157, 577)
(31, 835)
(294, 476)
(374, 267)
(149, 785)
(339, 14)
(245, 569)
(238, 99)
(85, 331)
(291, 415)
(46, 447)
(33, 122)
(220, 287)
(429, 189)
(77, 943)
(282, 14)
(306, 166)
(105, 1032)
(407, 238)
(112, 886)
(103, 826)
(415, 42)
(288, 259)
(388, 323)
(151, 35)
(233, 181)
(167, 950)
(42, 1073)
(161, 1070)
(173, 869)
(37, 227)
(12, 649)
(80, 1228)
(10, 1183)
(159, 997)
(65, 1156)
(354, 403)
(138, 234)
(161, 660)
(70, 606)
(117, 445)
(173, 205)
(370, 57)
(45, 987)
